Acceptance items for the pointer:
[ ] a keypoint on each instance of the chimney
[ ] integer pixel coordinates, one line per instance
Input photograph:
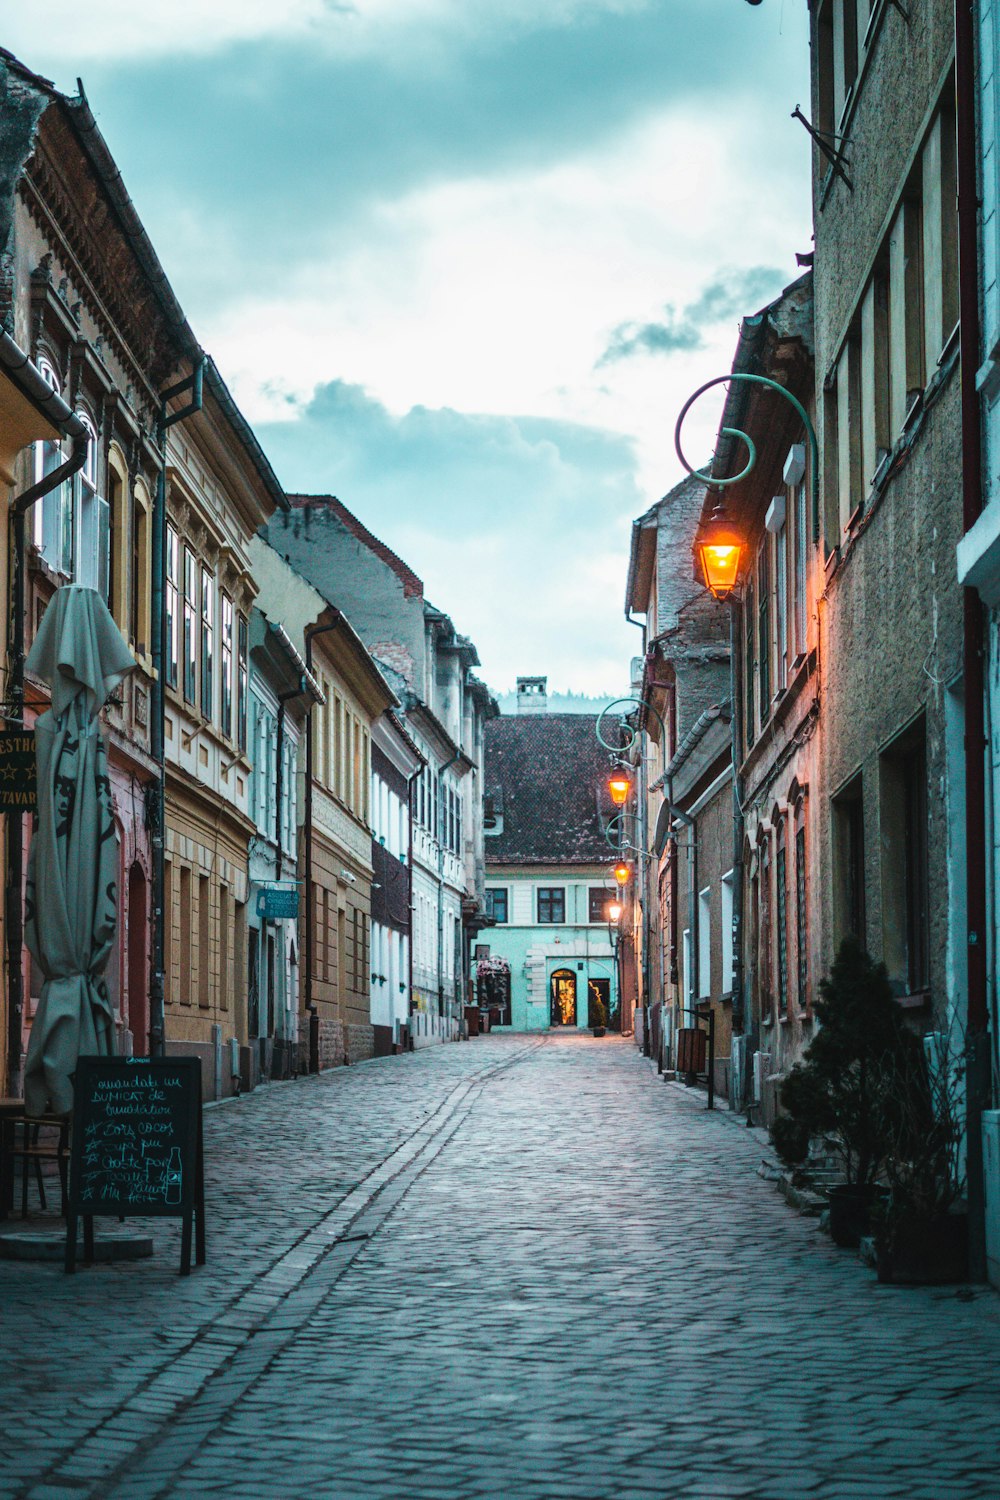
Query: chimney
(532, 697)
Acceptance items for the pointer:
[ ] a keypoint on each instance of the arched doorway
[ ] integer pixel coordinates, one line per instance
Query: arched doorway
(562, 996)
(138, 961)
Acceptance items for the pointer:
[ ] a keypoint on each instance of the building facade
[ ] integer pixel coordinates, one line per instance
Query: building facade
(429, 665)
(548, 868)
(283, 692)
(335, 838)
(396, 763)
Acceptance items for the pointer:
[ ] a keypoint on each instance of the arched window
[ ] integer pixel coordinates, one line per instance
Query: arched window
(140, 581)
(781, 914)
(88, 541)
(119, 561)
(52, 518)
(801, 908)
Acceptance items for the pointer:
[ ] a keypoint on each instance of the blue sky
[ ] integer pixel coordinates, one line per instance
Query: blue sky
(462, 263)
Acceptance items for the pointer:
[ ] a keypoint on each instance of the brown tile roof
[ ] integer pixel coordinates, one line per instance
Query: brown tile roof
(551, 773)
(412, 585)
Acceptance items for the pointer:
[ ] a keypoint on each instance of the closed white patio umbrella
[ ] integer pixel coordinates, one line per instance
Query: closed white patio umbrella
(71, 905)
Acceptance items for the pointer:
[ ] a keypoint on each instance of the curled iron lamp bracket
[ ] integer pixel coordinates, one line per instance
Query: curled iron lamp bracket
(744, 437)
(623, 724)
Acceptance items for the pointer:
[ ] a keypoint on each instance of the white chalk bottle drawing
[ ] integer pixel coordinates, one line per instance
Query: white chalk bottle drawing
(172, 1177)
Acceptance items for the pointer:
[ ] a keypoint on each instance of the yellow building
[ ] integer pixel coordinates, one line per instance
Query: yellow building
(335, 832)
(220, 489)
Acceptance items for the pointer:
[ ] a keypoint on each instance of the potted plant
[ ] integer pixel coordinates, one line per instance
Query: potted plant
(921, 1228)
(598, 1016)
(836, 1093)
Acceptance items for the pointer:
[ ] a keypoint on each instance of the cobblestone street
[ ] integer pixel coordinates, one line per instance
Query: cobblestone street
(509, 1268)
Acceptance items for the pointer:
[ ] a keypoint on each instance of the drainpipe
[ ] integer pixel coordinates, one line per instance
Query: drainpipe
(157, 803)
(978, 1083)
(58, 413)
(440, 842)
(311, 631)
(642, 841)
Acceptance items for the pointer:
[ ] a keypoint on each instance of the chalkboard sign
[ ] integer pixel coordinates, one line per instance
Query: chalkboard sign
(136, 1147)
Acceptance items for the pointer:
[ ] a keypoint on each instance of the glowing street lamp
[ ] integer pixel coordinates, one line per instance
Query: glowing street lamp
(614, 911)
(619, 786)
(720, 550)
(623, 873)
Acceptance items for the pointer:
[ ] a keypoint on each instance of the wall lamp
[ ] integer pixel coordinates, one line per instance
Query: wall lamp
(720, 549)
(619, 786)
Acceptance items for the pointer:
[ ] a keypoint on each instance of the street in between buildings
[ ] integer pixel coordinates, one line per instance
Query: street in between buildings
(508, 1267)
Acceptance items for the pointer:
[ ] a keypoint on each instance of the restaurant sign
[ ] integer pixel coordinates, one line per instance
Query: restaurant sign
(18, 781)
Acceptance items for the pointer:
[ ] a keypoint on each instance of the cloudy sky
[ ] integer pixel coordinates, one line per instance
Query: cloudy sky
(461, 262)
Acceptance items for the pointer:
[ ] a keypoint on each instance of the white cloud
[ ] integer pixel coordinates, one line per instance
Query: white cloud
(499, 295)
(46, 35)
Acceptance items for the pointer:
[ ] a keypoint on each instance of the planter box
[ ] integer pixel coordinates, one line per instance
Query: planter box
(927, 1252)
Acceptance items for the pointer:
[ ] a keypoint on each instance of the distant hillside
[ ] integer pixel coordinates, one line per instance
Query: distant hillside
(561, 703)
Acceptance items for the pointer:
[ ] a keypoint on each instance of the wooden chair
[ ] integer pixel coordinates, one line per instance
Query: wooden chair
(22, 1141)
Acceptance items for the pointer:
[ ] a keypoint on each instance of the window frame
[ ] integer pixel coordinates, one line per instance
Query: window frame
(550, 896)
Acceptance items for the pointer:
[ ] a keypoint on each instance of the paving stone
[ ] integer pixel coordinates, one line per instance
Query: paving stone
(511, 1268)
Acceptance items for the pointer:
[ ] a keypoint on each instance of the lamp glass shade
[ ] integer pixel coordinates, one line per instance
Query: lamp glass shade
(619, 787)
(622, 874)
(614, 911)
(720, 553)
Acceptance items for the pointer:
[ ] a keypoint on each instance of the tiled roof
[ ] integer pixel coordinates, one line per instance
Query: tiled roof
(552, 775)
(412, 586)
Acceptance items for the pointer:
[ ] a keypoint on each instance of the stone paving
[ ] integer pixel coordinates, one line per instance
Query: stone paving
(515, 1267)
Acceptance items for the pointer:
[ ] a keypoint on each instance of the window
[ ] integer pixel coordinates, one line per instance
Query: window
(726, 934)
(749, 627)
(241, 682)
(906, 311)
(781, 608)
(496, 905)
(139, 605)
(598, 898)
(763, 633)
(184, 967)
(801, 914)
(172, 601)
(226, 664)
(55, 510)
(904, 853)
(765, 947)
(800, 570)
(848, 435)
(704, 985)
(781, 916)
(551, 904)
(207, 642)
(849, 862)
(875, 437)
(190, 617)
(93, 559)
(204, 944)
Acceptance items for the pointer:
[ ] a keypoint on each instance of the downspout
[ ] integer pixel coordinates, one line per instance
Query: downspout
(157, 805)
(641, 883)
(311, 631)
(978, 1082)
(55, 411)
(440, 843)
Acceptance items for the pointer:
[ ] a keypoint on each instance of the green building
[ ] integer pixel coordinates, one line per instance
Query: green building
(548, 864)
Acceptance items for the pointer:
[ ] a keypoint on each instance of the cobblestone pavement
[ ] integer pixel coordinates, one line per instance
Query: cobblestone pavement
(517, 1268)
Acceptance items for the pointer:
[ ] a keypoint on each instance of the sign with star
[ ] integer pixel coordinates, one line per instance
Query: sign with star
(18, 782)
